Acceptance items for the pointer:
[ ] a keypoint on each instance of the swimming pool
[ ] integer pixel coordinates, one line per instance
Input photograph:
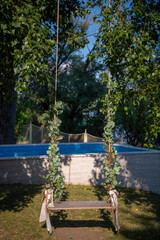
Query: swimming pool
(64, 148)
(80, 164)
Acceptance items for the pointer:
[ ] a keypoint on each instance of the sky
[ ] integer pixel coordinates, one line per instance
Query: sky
(93, 28)
(91, 31)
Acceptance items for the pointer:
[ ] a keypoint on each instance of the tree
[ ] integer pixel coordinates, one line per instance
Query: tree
(78, 88)
(38, 96)
(127, 40)
(26, 43)
(81, 91)
(130, 120)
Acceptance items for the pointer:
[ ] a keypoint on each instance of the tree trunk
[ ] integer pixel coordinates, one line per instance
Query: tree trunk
(7, 114)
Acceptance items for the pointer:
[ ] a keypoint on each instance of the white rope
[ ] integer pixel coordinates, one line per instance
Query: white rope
(92, 136)
(71, 133)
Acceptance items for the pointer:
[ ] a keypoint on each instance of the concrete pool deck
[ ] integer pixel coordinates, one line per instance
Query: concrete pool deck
(140, 170)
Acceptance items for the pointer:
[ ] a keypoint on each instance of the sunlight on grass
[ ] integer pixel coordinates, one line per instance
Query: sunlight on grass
(139, 213)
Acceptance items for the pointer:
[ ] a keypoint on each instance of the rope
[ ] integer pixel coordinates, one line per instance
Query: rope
(77, 134)
(94, 136)
(55, 99)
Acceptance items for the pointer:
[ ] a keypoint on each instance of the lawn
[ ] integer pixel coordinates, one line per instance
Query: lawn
(139, 213)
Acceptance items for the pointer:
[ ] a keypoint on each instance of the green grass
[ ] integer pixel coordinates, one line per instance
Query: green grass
(139, 213)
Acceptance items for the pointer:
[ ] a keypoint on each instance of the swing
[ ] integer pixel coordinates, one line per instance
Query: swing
(48, 203)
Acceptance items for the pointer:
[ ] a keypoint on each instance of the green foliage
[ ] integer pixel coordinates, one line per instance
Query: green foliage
(28, 34)
(54, 178)
(80, 91)
(131, 119)
(153, 126)
(27, 30)
(128, 42)
(110, 104)
(25, 42)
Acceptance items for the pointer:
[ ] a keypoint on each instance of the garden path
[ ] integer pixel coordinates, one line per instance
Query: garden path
(78, 233)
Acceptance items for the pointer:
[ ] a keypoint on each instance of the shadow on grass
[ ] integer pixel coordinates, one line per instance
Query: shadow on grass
(149, 234)
(143, 200)
(57, 223)
(65, 195)
(101, 193)
(14, 197)
(131, 196)
(59, 219)
(150, 203)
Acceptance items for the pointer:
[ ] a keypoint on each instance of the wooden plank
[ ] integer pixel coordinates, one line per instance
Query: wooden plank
(65, 205)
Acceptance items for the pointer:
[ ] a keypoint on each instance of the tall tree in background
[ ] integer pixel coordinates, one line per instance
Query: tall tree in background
(27, 40)
(128, 39)
(38, 97)
(79, 89)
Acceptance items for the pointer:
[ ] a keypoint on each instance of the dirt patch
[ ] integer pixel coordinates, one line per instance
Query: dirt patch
(79, 233)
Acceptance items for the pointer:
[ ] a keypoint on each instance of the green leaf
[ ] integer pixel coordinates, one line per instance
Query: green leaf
(48, 185)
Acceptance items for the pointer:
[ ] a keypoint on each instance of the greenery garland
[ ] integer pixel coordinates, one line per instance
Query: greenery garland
(110, 103)
(54, 178)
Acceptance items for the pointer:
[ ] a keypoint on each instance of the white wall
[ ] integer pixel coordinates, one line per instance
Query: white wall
(139, 170)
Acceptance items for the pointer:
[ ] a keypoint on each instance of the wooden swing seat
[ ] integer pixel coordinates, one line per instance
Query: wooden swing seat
(71, 205)
(78, 205)
(49, 205)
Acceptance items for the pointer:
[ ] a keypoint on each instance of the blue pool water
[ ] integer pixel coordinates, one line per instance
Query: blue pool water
(41, 149)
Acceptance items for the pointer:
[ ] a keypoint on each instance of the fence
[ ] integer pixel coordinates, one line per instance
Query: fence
(31, 133)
